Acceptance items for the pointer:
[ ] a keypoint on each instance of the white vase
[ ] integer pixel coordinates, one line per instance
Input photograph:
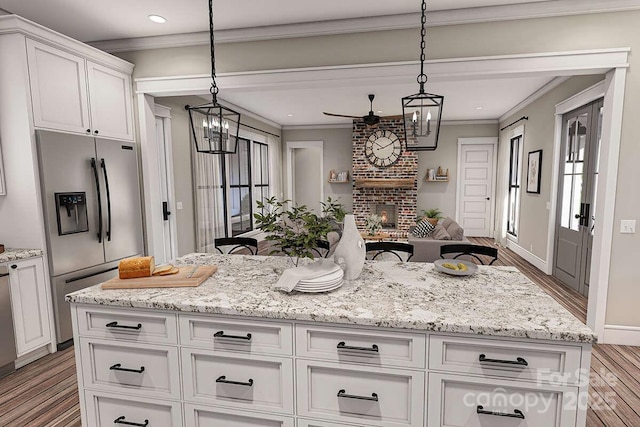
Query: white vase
(350, 252)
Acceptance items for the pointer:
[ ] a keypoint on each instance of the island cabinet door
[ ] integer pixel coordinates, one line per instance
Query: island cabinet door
(206, 416)
(360, 394)
(143, 369)
(377, 348)
(127, 325)
(464, 401)
(244, 336)
(109, 410)
(261, 383)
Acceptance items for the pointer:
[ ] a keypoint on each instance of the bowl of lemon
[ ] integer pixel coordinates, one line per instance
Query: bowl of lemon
(455, 267)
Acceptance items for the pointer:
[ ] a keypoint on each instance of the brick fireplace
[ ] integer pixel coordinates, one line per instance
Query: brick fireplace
(404, 197)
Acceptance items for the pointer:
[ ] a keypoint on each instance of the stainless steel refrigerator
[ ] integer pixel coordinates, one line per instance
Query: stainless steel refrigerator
(91, 197)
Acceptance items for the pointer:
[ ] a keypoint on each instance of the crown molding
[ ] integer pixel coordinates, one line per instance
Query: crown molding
(318, 127)
(534, 96)
(243, 112)
(473, 15)
(14, 24)
(470, 122)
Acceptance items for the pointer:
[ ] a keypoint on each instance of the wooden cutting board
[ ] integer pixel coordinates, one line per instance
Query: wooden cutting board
(189, 275)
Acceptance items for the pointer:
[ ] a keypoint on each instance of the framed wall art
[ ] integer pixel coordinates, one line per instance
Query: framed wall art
(533, 171)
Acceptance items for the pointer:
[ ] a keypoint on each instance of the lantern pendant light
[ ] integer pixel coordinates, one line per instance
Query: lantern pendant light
(422, 112)
(214, 127)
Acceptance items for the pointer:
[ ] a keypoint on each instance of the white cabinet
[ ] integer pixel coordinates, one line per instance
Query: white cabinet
(72, 94)
(30, 305)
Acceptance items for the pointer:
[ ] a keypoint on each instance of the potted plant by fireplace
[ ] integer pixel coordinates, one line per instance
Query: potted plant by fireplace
(432, 215)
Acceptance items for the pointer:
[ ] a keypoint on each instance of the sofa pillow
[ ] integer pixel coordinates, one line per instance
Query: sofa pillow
(447, 222)
(455, 231)
(423, 229)
(440, 233)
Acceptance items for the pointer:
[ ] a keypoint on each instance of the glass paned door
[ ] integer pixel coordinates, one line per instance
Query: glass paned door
(576, 196)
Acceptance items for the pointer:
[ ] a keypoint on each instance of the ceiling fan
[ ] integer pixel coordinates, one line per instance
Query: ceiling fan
(370, 119)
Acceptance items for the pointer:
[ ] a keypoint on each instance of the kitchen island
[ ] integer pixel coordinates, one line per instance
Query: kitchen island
(403, 345)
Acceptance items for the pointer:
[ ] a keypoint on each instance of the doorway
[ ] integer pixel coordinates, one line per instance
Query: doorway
(475, 191)
(169, 237)
(306, 176)
(577, 184)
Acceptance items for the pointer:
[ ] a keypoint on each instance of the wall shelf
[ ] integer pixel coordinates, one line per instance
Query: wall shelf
(385, 183)
(337, 181)
(437, 180)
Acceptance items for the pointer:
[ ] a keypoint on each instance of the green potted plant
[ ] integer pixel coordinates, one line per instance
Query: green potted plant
(432, 215)
(334, 210)
(293, 231)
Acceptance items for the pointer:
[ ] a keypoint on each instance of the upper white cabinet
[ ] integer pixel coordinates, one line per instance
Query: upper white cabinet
(30, 305)
(72, 94)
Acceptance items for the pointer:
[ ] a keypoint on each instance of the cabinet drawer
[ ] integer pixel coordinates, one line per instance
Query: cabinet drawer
(238, 380)
(505, 358)
(236, 335)
(458, 401)
(205, 416)
(380, 397)
(104, 409)
(145, 369)
(361, 346)
(129, 325)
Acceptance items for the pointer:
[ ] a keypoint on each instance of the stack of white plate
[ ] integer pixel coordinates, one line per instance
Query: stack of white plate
(330, 281)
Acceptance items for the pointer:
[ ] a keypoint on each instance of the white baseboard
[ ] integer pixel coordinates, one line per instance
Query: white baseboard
(620, 335)
(31, 357)
(539, 263)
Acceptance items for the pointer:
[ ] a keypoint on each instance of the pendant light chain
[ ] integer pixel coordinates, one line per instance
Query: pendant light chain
(214, 87)
(422, 77)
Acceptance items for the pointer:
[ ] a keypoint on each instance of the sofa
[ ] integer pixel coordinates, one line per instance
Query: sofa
(427, 249)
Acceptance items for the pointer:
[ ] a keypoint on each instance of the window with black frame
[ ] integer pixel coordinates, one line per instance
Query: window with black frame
(240, 198)
(513, 205)
(260, 172)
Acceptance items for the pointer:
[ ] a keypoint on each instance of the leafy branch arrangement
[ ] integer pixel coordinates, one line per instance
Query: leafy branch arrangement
(334, 209)
(293, 231)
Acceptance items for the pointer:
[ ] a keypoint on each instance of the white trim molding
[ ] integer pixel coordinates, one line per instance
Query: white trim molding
(472, 15)
(324, 126)
(620, 335)
(534, 96)
(536, 261)
(551, 64)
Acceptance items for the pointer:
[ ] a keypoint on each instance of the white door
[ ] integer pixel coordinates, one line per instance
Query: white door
(165, 181)
(306, 177)
(30, 305)
(476, 185)
(110, 102)
(58, 89)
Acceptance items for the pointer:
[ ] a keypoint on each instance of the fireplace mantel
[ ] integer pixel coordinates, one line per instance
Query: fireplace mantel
(385, 183)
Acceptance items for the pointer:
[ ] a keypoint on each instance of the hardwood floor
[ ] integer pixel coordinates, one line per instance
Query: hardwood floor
(45, 392)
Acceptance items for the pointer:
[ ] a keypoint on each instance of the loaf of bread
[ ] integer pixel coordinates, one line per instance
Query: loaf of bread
(131, 268)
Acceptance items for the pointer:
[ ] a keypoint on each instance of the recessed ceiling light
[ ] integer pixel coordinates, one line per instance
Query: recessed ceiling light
(289, 115)
(157, 19)
(479, 108)
(379, 111)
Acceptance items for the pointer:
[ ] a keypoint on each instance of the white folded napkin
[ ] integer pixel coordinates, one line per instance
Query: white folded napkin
(290, 277)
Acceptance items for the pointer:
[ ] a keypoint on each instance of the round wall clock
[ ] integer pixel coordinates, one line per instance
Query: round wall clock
(383, 148)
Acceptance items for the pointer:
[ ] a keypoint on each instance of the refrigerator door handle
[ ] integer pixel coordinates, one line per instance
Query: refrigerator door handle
(95, 175)
(106, 184)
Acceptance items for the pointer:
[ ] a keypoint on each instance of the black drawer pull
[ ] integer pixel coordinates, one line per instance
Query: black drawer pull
(221, 334)
(121, 420)
(519, 361)
(223, 379)
(117, 367)
(516, 413)
(115, 325)
(373, 398)
(342, 346)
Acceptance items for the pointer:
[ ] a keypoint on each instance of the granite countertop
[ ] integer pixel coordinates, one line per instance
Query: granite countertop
(498, 301)
(17, 254)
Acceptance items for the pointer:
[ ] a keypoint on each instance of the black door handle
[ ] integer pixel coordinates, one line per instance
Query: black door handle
(519, 361)
(121, 420)
(516, 413)
(95, 175)
(106, 184)
(14, 266)
(165, 211)
(118, 367)
(223, 379)
(342, 346)
(96, 132)
(221, 334)
(343, 393)
(115, 325)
